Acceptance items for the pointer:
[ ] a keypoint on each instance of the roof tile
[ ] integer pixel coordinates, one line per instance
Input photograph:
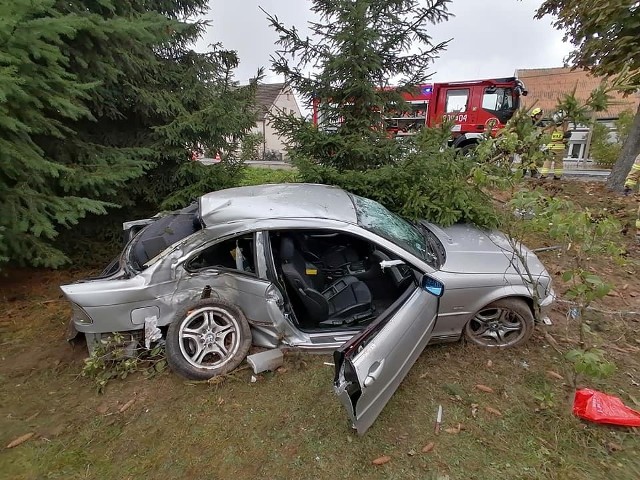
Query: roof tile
(547, 85)
(266, 95)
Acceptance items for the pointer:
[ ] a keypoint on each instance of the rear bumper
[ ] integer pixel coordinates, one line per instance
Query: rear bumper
(131, 339)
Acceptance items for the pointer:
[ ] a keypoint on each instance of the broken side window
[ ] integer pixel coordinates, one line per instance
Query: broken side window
(236, 253)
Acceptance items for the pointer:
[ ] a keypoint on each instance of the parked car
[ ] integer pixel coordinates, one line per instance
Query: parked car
(311, 267)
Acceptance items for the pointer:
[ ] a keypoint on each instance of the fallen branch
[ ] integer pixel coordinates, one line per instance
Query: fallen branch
(601, 310)
(547, 249)
(219, 378)
(552, 341)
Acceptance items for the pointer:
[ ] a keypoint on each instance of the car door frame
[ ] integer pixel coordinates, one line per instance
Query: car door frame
(370, 367)
(262, 315)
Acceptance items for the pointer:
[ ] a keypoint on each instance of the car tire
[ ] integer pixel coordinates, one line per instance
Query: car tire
(505, 323)
(211, 337)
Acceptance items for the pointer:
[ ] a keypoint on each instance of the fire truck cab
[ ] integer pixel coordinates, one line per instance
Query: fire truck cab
(475, 107)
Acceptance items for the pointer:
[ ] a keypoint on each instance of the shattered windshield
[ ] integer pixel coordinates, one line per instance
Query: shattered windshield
(377, 219)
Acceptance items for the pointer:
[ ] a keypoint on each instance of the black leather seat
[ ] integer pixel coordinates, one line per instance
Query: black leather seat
(345, 301)
(340, 259)
(335, 261)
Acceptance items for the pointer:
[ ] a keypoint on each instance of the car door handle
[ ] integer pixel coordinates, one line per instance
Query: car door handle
(374, 371)
(479, 127)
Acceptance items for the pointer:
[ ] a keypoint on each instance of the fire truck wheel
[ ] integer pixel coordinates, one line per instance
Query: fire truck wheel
(468, 149)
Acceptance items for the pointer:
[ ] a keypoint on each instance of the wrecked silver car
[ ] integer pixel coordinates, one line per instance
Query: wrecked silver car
(311, 267)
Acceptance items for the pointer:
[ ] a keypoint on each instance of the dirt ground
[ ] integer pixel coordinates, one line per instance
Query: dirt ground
(287, 424)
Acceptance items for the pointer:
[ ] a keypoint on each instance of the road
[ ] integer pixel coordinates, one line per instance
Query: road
(254, 163)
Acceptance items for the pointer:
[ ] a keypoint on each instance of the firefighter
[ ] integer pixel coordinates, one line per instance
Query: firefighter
(536, 116)
(536, 119)
(556, 148)
(630, 184)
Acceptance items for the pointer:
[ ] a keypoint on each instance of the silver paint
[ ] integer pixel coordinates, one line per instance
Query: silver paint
(480, 268)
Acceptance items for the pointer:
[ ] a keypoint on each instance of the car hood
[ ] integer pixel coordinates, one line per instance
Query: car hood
(471, 250)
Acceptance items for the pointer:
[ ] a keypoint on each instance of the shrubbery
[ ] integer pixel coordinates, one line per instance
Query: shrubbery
(250, 146)
(605, 150)
(428, 181)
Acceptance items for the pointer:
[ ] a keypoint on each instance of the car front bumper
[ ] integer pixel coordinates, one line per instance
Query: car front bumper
(548, 300)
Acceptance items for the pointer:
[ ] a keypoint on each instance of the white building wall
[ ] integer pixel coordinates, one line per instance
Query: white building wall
(285, 101)
(578, 141)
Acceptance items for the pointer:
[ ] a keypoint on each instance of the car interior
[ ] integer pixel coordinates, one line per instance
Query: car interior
(150, 237)
(233, 254)
(333, 279)
(164, 232)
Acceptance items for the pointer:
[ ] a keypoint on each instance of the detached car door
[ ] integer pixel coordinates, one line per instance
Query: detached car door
(370, 367)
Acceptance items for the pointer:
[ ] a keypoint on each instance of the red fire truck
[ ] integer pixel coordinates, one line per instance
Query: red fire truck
(475, 107)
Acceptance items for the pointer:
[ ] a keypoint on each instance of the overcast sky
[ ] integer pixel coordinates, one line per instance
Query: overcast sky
(489, 38)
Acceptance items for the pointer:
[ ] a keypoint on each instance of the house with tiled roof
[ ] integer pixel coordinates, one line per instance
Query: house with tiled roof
(272, 98)
(546, 85)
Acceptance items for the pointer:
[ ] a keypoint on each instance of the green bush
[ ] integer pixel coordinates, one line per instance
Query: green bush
(429, 181)
(604, 151)
(250, 147)
(258, 176)
(194, 179)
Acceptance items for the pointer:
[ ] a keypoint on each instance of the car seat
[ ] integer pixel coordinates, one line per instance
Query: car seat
(345, 301)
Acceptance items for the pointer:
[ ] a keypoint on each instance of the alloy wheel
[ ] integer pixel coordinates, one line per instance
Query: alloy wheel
(209, 337)
(496, 327)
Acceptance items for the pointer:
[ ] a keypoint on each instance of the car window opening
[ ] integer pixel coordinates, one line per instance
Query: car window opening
(334, 280)
(162, 233)
(237, 253)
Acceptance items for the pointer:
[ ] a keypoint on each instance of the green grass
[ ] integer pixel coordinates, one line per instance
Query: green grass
(289, 425)
(259, 175)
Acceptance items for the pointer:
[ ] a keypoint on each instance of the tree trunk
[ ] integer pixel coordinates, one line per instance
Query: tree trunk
(629, 152)
(587, 148)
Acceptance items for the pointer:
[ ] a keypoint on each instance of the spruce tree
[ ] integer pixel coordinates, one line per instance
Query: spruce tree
(39, 97)
(100, 105)
(358, 49)
(362, 55)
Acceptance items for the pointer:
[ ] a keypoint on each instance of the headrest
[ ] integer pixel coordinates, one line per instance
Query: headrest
(287, 249)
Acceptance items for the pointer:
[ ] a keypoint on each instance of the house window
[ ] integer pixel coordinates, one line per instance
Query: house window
(576, 150)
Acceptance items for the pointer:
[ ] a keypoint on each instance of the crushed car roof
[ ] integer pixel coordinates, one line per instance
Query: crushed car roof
(286, 200)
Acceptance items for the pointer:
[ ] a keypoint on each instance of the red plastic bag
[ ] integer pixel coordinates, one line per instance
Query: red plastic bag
(602, 408)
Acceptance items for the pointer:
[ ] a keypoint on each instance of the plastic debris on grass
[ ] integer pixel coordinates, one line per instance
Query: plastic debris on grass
(599, 407)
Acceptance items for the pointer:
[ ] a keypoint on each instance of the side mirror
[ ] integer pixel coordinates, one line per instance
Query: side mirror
(433, 286)
(390, 263)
